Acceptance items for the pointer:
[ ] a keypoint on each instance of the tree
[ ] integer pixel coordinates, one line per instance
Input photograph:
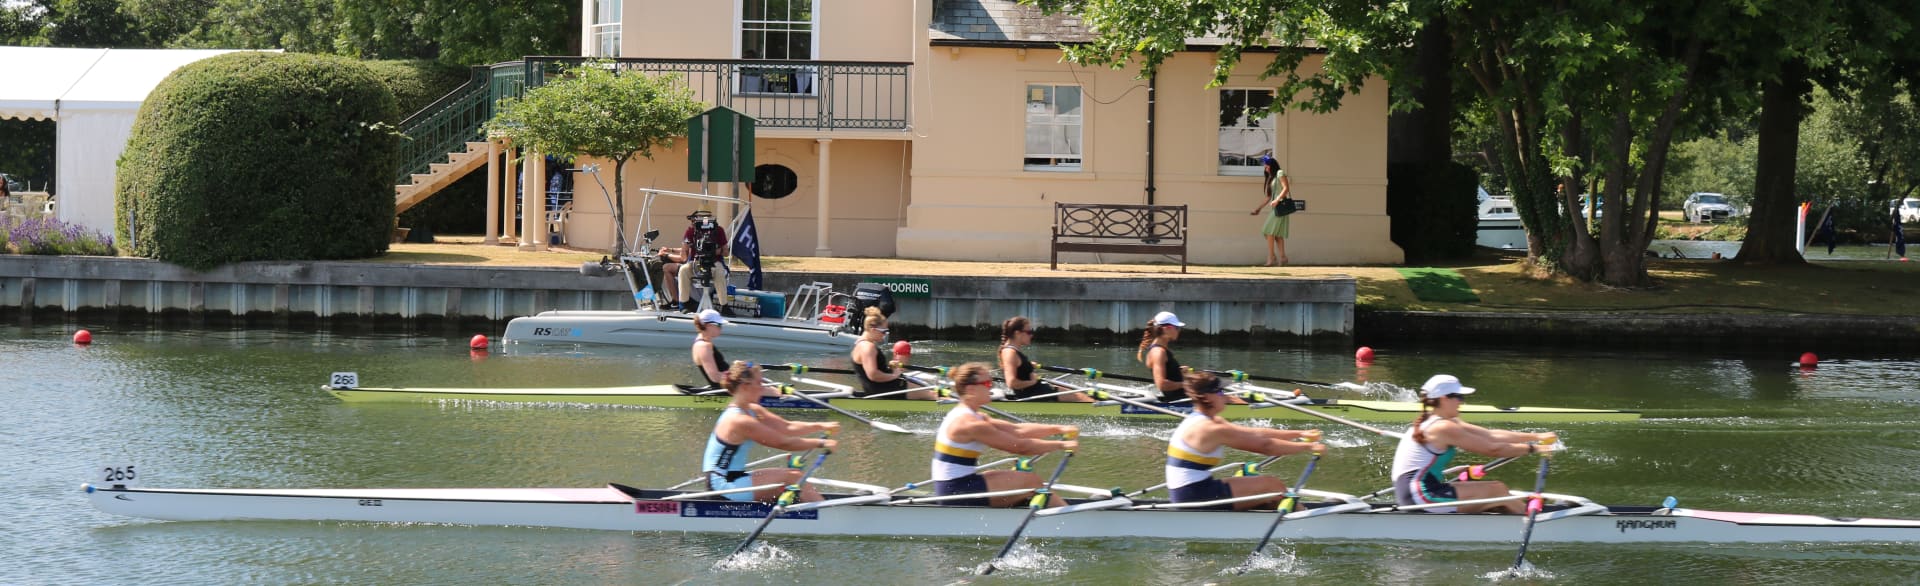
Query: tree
(594, 111)
(1581, 92)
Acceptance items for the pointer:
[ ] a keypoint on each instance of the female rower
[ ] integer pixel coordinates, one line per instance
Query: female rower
(1430, 445)
(1198, 443)
(870, 362)
(1017, 333)
(746, 423)
(1156, 353)
(966, 432)
(706, 356)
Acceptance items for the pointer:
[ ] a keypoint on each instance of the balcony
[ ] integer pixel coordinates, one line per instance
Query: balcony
(816, 95)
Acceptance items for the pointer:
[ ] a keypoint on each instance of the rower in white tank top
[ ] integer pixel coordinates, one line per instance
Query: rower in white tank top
(1186, 465)
(951, 459)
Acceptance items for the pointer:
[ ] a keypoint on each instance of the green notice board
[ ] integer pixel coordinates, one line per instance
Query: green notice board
(713, 137)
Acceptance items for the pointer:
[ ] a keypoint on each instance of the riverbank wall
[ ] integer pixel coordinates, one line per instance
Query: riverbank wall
(1225, 311)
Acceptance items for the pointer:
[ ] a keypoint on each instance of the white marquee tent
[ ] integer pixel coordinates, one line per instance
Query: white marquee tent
(94, 95)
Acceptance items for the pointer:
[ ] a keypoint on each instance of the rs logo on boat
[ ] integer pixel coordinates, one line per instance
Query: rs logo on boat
(1624, 525)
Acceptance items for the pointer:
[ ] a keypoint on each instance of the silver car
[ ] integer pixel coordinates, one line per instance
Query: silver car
(1707, 207)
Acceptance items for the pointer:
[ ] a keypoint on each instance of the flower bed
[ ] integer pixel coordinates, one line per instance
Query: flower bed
(49, 236)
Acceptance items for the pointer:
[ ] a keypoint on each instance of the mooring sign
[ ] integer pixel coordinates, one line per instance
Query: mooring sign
(905, 287)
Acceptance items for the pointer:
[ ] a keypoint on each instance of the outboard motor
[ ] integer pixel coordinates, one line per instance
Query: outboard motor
(867, 295)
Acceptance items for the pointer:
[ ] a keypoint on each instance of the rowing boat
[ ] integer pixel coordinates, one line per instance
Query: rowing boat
(674, 396)
(1341, 518)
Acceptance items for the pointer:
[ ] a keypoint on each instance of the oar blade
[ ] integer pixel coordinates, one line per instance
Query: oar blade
(884, 426)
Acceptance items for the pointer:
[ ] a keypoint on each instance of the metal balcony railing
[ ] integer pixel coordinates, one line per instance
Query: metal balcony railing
(819, 95)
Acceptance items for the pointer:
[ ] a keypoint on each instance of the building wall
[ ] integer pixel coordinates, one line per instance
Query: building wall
(973, 200)
(846, 30)
(869, 191)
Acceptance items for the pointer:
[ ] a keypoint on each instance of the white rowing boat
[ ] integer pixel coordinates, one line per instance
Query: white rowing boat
(1338, 518)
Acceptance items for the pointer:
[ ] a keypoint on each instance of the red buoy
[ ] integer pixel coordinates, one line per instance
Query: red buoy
(479, 342)
(1808, 360)
(1363, 355)
(901, 350)
(83, 337)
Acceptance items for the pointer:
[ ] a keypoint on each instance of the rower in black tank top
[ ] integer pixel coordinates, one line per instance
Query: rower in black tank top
(868, 387)
(1025, 371)
(1174, 373)
(719, 363)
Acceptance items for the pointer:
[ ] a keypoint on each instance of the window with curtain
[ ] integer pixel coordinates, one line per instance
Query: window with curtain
(606, 29)
(1053, 127)
(777, 30)
(1243, 138)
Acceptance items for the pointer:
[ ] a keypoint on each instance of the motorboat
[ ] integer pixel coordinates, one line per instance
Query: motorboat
(1500, 224)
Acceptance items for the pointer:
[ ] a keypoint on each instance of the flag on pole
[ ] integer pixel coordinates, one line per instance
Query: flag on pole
(746, 247)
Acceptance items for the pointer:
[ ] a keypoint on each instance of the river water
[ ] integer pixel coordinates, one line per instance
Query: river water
(242, 408)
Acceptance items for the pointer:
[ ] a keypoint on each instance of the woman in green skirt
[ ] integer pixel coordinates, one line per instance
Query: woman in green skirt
(1276, 228)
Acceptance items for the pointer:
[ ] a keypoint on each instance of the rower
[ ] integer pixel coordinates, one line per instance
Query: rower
(966, 432)
(746, 423)
(871, 367)
(1437, 436)
(1197, 445)
(1156, 351)
(706, 356)
(1017, 333)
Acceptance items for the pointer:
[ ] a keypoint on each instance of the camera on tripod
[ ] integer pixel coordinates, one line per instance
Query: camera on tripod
(707, 240)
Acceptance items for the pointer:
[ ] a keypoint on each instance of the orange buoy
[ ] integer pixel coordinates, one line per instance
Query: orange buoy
(83, 337)
(1807, 360)
(1363, 355)
(479, 342)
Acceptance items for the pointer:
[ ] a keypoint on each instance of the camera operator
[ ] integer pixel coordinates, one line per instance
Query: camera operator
(704, 246)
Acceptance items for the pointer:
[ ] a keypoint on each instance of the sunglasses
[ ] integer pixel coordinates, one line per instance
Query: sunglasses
(881, 330)
(1460, 398)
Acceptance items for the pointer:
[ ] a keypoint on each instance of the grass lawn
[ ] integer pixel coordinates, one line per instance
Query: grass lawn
(1498, 279)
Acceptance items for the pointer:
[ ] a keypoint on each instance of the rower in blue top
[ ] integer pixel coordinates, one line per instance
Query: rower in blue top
(745, 423)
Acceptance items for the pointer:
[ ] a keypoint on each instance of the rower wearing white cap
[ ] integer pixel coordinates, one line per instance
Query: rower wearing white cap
(1157, 353)
(1430, 444)
(706, 356)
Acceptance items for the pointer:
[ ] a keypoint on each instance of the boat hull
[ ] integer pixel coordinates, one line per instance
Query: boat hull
(668, 329)
(608, 509)
(667, 396)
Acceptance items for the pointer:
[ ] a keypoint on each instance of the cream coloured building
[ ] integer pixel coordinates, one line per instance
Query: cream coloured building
(947, 129)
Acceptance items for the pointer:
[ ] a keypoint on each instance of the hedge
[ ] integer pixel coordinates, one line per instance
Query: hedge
(260, 156)
(415, 83)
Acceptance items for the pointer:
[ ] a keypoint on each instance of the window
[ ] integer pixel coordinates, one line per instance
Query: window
(606, 29)
(1243, 138)
(1053, 128)
(777, 30)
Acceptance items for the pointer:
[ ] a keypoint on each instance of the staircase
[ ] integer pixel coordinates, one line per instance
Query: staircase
(420, 186)
(444, 140)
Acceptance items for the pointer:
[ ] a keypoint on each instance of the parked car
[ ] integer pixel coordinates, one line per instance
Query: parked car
(13, 184)
(1707, 207)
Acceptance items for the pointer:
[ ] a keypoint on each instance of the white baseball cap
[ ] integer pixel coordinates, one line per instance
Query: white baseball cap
(1442, 385)
(711, 317)
(1167, 318)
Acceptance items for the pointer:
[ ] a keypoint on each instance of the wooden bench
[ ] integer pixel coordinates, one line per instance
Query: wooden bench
(1122, 228)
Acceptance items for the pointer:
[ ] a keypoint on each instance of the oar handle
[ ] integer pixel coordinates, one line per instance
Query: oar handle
(1243, 376)
(1093, 373)
(798, 368)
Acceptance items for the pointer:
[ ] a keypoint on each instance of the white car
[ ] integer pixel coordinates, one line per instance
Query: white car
(1707, 207)
(1909, 209)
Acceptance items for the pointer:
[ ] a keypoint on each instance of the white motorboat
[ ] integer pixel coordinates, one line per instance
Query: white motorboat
(1500, 224)
(813, 317)
(1337, 517)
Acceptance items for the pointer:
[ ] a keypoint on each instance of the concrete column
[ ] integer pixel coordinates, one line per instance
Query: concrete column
(825, 219)
(533, 203)
(493, 192)
(511, 193)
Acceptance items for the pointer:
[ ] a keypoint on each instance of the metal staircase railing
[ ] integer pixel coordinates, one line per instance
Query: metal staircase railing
(446, 125)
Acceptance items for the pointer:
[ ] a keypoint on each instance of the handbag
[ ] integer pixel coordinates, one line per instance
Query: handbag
(1284, 208)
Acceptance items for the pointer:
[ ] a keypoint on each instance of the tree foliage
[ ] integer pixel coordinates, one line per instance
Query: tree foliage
(592, 110)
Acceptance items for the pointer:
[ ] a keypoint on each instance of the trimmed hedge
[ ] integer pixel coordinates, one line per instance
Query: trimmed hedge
(1435, 216)
(415, 83)
(260, 156)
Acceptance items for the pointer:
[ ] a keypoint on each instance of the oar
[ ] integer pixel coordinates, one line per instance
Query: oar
(1286, 506)
(1261, 402)
(780, 506)
(1039, 501)
(880, 425)
(1533, 510)
(1242, 376)
(803, 369)
(1466, 472)
(944, 392)
(1093, 373)
(779, 456)
(1247, 468)
(1106, 396)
